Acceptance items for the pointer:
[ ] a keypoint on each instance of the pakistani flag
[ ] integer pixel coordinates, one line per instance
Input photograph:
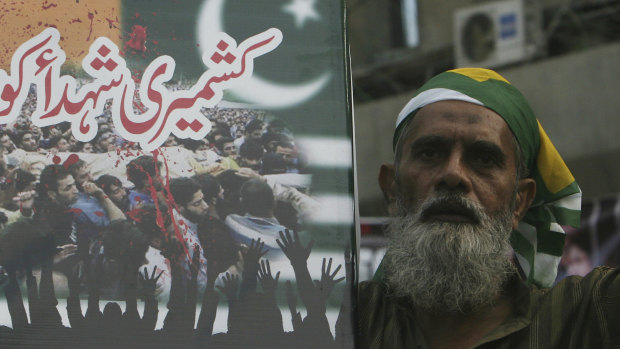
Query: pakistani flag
(303, 81)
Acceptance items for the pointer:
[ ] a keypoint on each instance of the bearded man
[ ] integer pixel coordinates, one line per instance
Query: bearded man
(479, 195)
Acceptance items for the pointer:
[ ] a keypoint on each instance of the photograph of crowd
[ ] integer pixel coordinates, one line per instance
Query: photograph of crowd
(193, 229)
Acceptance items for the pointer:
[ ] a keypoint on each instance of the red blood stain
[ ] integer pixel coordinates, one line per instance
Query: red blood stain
(76, 20)
(75, 210)
(99, 213)
(111, 22)
(155, 42)
(56, 159)
(137, 38)
(72, 159)
(138, 199)
(91, 16)
(136, 15)
(47, 7)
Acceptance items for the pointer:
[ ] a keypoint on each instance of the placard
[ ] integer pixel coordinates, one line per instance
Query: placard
(176, 174)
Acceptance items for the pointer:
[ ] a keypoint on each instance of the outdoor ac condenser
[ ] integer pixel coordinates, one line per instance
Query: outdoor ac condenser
(490, 35)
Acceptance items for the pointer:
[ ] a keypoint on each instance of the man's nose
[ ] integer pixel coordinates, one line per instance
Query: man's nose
(454, 174)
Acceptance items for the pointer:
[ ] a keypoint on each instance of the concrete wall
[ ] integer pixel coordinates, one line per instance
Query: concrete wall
(576, 97)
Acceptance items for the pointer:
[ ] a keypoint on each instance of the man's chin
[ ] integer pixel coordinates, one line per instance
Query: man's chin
(448, 265)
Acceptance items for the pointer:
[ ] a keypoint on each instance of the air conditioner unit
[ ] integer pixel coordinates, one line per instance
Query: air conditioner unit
(490, 35)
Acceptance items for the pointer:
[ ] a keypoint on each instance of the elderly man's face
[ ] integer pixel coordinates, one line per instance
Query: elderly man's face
(455, 146)
(456, 199)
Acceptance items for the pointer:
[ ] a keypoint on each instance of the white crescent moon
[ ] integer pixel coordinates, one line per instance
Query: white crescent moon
(257, 90)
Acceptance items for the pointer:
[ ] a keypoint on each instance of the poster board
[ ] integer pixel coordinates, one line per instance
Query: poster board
(248, 100)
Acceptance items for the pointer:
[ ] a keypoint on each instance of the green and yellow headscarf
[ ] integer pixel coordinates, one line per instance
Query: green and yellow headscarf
(539, 240)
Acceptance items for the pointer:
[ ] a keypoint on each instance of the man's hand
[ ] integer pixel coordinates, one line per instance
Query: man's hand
(92, 189)
(66, 258)
(149, 284)
(292, 247)
(267, 281)
(254, 252)
(248, 173)
(25, 201)
(231, 284)
(327, 283)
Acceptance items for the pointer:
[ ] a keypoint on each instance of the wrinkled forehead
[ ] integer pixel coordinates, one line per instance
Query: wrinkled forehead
(446, 112)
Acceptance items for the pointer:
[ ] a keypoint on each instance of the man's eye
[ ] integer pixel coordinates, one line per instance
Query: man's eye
(427, 154)
(484, 159)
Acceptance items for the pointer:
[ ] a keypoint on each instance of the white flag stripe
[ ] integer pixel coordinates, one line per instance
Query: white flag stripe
(557, 228)
(327, 152)
(545, 268)
(524, 263)
(571, 202)
(334, 209)
(529, 232)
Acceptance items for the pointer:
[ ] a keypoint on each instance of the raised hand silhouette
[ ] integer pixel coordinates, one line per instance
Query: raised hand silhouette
(292, 247)
(326, 284)
(267, 281)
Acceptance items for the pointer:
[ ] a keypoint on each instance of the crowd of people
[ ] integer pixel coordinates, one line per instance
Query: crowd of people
(141, 229)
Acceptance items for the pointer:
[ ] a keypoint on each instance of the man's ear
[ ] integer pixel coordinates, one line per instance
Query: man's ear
(387, 183)
(526, 191)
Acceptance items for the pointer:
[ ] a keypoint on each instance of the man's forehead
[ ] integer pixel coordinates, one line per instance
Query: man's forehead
(456, 114)
(65, 182)
(197, 196)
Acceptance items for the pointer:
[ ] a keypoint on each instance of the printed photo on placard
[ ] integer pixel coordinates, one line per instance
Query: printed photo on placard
(176, 174)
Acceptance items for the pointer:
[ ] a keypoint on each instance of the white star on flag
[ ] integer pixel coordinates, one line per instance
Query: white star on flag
(302, 10)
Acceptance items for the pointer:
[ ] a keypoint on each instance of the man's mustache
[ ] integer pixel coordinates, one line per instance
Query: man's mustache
(451, 204)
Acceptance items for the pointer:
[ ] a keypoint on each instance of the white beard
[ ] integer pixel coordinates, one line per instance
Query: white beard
(449, 267)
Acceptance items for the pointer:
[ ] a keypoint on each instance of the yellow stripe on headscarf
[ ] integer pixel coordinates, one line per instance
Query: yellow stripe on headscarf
(552, 168)
(479, 74)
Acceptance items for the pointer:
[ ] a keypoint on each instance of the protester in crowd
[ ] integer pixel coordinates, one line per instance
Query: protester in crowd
(258, 203)
(190, 210)
(145, 174)
(6, 141)
(479, 195)
(253, 131)
(113, 188)
(26, 140)
(250, 155)
(104, 141)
